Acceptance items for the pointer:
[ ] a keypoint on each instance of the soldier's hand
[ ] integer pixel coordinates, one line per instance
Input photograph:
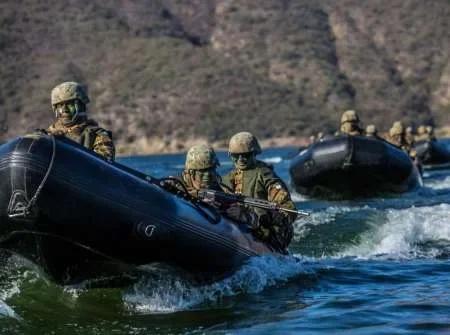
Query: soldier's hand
(170, 185)
(235, 212)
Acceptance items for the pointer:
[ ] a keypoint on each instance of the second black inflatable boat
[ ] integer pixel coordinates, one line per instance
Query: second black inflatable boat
(79, 217)
(351, 167)
(433, 154)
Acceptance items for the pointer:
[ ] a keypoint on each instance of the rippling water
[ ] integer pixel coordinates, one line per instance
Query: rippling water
(379, 266)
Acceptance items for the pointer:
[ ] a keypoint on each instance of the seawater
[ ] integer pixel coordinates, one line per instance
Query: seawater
(374, 266)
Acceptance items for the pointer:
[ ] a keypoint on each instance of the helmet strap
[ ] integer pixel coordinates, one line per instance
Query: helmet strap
(80, 113)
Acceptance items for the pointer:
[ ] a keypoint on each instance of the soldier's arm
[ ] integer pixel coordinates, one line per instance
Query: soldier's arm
(276, 189)
(176, 185)
(104, 145)
(226, 182)
(278, 193)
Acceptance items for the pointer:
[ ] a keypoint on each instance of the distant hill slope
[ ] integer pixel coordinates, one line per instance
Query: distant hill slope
(182, 69)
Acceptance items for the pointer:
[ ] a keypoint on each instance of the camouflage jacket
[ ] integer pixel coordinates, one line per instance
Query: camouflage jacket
(193, 190)
(246, 217)
(88, 134)
(400, 141)
(350, 129)
(424, 137)
(261, 182)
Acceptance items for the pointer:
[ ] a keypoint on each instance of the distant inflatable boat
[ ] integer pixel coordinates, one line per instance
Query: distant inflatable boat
(433, 154)
(353, 166)
(78, 216)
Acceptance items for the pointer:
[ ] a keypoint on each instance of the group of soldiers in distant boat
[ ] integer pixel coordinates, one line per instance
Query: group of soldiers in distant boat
(398, 135)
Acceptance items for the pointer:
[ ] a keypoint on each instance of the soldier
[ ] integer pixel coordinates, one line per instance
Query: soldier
(69, 101)
(430, 133)
(200, 173)
(397, 137)
(350, 124)
(320, 136)
(421, 134)
(200, 170)
(256, 179)
(372, 131)
(409, 136)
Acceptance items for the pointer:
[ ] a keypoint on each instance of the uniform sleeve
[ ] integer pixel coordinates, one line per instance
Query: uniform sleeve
(227, 181)
(280, 222)
(104, 145)
(277, 190)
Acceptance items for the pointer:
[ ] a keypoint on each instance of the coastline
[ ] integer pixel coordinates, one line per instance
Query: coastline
(156, 145)
(166, 145)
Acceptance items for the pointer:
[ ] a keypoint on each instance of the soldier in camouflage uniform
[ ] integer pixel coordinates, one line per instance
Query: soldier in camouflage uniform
(350, 124)
(425, 133)
(69, 101)
(256, 179)
(200, 173)
(372, 131)
(409, 136)
(200, 170)
(421, 134)
(430, 133)
(397, 138)
(320, 136)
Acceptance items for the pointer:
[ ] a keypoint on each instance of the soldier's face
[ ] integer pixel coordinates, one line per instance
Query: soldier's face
(206, 178)
(244, 161)
(67, 111)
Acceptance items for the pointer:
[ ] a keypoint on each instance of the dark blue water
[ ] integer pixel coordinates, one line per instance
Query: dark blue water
(379, 266)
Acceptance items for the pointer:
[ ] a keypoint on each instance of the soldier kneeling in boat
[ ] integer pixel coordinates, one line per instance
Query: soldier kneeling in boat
(397, 137)
(425, 133)
(200, 173)
(69, 101)
(256, 179)
(350, 124)
(372, 132)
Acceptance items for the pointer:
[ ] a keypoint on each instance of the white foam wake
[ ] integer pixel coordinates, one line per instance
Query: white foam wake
(6, 311)
(405, 233)
(170, 294)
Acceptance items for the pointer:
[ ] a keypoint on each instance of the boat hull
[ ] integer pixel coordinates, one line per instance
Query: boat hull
(353, 166)
(433, 153)
(90, 216)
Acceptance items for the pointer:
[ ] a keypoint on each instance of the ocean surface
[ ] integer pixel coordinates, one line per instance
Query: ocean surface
(378, 266)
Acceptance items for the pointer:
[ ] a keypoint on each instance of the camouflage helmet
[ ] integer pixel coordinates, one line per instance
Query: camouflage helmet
(349, 116)
(200, 157)
(69, 90)
(397, 129)
(421, 130)
(244, 142)
(371, 129)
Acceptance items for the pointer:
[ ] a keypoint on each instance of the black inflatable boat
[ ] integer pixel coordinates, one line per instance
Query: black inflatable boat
(433, 154)
(351, 167)
(79, 216)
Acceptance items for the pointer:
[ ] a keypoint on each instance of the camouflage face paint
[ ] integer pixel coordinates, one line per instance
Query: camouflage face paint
(67, 111)
(244, 161)
(206, 178)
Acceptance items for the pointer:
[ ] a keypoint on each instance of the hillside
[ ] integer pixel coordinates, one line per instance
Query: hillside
(163, 74)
